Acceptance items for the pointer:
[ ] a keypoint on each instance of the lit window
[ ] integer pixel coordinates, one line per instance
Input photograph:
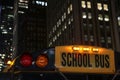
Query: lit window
(71, 18)
(65, 26)
(69, 22)
(42, 4)
(64, 15)
(23, 5)
(83, 4)
(10, 28)
(38, 2)
(55, 38)
(9, 15)
(21, 12)
(89, 16)
(58, 34)
(59, 22)
(1, 27)
(71, 7)
(86, 37)
(102, 39)
(26, 1)
(84, 15)
(99, 6)
(68, 10)
(91, 38)
(55, 27)
(45, 3)
(119, 21)
(62, 18)
(100, 17)
(2, 58)
(4, 31)
(88, 4)
(105, 7)
(109, 39)
(106, 18)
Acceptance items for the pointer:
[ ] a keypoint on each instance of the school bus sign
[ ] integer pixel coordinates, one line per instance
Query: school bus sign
(84, 59)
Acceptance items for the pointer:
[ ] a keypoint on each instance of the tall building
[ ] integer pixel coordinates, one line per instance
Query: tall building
(117, 10)
(29, 26)
(82, 22)
(6, 31)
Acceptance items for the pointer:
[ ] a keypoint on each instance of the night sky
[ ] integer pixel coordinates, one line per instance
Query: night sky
(7, 2)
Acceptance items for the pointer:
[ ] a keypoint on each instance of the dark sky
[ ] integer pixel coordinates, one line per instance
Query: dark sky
(7, 2)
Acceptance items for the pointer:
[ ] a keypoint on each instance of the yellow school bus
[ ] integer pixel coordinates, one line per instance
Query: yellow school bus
(72, 62)
(84, 59)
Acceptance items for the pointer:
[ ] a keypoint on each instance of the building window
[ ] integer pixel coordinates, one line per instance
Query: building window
(88, 4)
(84, 24)
(68, 10)
(119, 21)
(69, 21)
(90, 25)
(41, 3)
(59, 22)
(84, 15)
(86, 37)
(71, 18)
(105, 7)
(71, 7)
(102, 39)
(91, 38)
(83, 4)
(89, 16)
(99, 6)
(64, 15)
(25, 1)
(64, 27)
(108, 27)
(100, 17)
(106, 18)
(109, 39)
(23, 5)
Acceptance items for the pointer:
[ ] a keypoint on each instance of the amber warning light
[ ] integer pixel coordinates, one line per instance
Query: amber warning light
(42, 61)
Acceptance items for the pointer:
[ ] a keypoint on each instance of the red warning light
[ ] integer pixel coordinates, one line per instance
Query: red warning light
(26, 60)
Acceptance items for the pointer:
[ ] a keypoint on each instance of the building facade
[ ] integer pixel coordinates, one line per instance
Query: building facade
(6, 31)
(29, 26)
(117, 10)
(82, 22)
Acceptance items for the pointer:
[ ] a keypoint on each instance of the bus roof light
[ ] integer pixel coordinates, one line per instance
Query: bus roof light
(86, 49)
(76, 48)
(95, 49)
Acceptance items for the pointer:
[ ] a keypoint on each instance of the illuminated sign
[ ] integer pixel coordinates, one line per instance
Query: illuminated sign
(84, 59)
